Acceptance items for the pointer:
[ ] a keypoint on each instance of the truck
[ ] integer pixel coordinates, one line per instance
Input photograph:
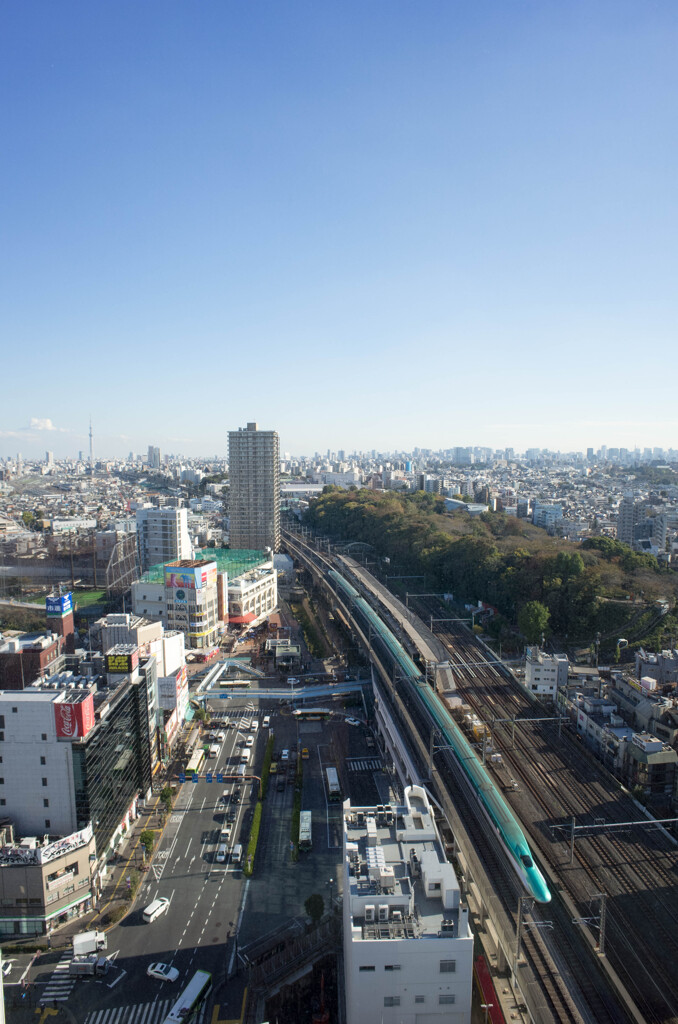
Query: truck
(88, 965)
(89, 942)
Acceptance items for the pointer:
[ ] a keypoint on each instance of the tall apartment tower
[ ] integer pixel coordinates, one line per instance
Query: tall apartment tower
(254, 473)
(162, 536)
(629, 515)
(153, 457)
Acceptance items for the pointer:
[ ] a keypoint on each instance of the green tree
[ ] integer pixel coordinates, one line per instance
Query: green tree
(147, 840)
(166, 798)
(533, 620)
(315, 907)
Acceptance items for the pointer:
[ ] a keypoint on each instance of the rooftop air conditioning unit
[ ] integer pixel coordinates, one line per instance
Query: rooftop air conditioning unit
(369, 912)
(383, 911)
(397, 915)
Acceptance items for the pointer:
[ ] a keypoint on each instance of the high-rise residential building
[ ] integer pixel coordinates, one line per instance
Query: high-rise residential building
(162, 535)
(629, 515)
(254, 474)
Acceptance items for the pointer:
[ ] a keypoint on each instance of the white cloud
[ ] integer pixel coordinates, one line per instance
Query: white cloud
(41, 424)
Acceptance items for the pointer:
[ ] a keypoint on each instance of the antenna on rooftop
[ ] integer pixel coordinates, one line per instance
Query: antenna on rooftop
(91, 447)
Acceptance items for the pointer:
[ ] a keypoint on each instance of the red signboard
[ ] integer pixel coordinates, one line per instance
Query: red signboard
(74, 720)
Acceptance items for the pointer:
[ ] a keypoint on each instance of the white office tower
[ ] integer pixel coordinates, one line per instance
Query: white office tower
(254, 477)
(408, 948)
(162, 536)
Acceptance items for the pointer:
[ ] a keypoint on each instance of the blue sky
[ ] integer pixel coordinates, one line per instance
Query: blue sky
(364, 224)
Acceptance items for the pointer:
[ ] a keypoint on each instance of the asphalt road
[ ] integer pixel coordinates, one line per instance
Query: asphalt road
(211, 902)
(198, 929)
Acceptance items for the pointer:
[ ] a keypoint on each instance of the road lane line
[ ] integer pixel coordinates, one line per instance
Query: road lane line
(188, 847)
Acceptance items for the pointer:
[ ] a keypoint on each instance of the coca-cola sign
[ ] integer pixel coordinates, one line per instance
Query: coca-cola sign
(74, 719)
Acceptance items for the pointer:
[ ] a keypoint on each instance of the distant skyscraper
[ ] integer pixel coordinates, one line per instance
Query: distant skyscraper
(254, 475)
(153, 457)
(49, 458)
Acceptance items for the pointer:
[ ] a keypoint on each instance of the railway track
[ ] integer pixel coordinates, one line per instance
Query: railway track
(571, 987)
(637, 871)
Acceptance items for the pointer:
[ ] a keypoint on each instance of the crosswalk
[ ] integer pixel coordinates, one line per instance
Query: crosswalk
(363, 764)
(61, 983)
(142, 1013)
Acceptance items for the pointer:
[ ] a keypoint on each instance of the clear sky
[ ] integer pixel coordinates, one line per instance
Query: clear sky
(363, 223)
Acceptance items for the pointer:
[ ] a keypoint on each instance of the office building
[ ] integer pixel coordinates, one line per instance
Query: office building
(77, 749)
(254, 475)
(408, 947)
(162, 535)
(153, 459)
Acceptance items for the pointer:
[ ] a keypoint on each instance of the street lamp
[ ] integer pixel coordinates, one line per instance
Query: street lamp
(486, 1007)
(331, 883)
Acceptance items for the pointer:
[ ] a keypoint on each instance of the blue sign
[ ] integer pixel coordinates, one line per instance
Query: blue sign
(62, 605)
(220, 777)
(196, 778)
(182, 777)
(208, 777)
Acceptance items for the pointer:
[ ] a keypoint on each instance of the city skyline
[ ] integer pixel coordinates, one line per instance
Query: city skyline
(376, 227)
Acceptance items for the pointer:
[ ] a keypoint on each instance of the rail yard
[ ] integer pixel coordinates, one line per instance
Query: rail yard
(609, 883)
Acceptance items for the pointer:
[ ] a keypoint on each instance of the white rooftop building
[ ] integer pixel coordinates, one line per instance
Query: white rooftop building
(545, 673)
(408, 948)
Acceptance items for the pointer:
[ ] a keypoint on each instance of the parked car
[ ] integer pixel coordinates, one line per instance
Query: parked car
(162, 972)
(353, 721)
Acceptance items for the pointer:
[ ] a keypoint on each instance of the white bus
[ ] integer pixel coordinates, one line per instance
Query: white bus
(191, 999)
(333, 787)
(305, 831)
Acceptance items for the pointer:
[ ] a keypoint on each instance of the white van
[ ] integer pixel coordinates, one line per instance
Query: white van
(241, 771)
(245, 756)
(267, 721)
(155, 909)
(236, 855)
(214, 750)
(222, 853)
(255, 725)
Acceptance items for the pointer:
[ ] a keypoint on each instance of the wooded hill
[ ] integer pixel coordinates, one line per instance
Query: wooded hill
(599, 585)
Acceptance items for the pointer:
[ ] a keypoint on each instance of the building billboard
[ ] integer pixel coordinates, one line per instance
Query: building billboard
(60, 605)
(204, 575)
(74, 719)
(187, 579)
(208, 574)
(122, 664)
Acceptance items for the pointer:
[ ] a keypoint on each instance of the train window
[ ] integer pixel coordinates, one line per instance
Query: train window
(527, 861)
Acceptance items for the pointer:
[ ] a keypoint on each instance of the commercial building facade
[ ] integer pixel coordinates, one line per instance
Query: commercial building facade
(78, 750)
(46, 882)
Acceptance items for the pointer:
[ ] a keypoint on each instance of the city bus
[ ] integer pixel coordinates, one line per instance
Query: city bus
(196, 762)
(191, 999)
(333, 787)
(235, 684)
(312, 714)
(305, 831)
